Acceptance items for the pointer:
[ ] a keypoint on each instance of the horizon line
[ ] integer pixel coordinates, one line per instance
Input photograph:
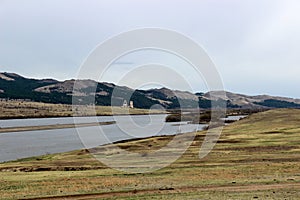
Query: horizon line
(207, 91)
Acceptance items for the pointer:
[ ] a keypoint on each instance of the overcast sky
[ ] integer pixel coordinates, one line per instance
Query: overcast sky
(255, 44)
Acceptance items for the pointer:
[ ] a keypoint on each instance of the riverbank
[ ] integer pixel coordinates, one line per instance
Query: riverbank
(35, 142)
(255, 158)
(21, 110)
(53, 127)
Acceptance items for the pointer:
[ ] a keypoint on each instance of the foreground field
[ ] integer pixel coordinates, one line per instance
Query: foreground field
(255, 158)
(18, 109)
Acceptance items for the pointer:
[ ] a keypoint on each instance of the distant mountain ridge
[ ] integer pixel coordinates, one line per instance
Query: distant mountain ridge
(14, 86)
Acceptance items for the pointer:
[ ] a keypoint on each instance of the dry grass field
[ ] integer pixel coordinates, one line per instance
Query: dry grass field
(255, 158)
(23, 109)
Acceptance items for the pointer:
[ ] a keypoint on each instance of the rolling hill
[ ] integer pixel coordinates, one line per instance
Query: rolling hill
(14, 86)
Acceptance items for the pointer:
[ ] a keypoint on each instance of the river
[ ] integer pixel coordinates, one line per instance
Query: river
(16, 145)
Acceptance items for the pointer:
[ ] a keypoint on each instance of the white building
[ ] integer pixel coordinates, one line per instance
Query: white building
(131, 104)
(125, 105)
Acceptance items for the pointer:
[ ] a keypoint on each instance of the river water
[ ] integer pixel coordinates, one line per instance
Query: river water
(17, 145)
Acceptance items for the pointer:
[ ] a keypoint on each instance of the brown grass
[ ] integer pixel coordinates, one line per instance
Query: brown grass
(18, 109)
(247, 164)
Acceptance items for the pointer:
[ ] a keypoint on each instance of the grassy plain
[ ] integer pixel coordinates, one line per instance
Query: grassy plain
(23, 109)
(255, 158)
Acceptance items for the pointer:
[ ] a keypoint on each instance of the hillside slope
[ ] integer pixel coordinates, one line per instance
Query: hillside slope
(13, 86)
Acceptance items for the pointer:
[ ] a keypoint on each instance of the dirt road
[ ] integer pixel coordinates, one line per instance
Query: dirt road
(237, 188)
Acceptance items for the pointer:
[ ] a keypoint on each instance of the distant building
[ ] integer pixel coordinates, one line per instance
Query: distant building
(131, 104)
(125, 105)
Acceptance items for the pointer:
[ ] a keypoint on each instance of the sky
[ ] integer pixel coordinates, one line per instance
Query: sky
(254, 44)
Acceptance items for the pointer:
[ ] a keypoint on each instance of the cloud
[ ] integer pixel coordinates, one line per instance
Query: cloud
(123, 63)
(255, 44)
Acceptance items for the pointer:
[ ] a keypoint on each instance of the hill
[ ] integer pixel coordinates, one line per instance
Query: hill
(14, 86)
(255, 158)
